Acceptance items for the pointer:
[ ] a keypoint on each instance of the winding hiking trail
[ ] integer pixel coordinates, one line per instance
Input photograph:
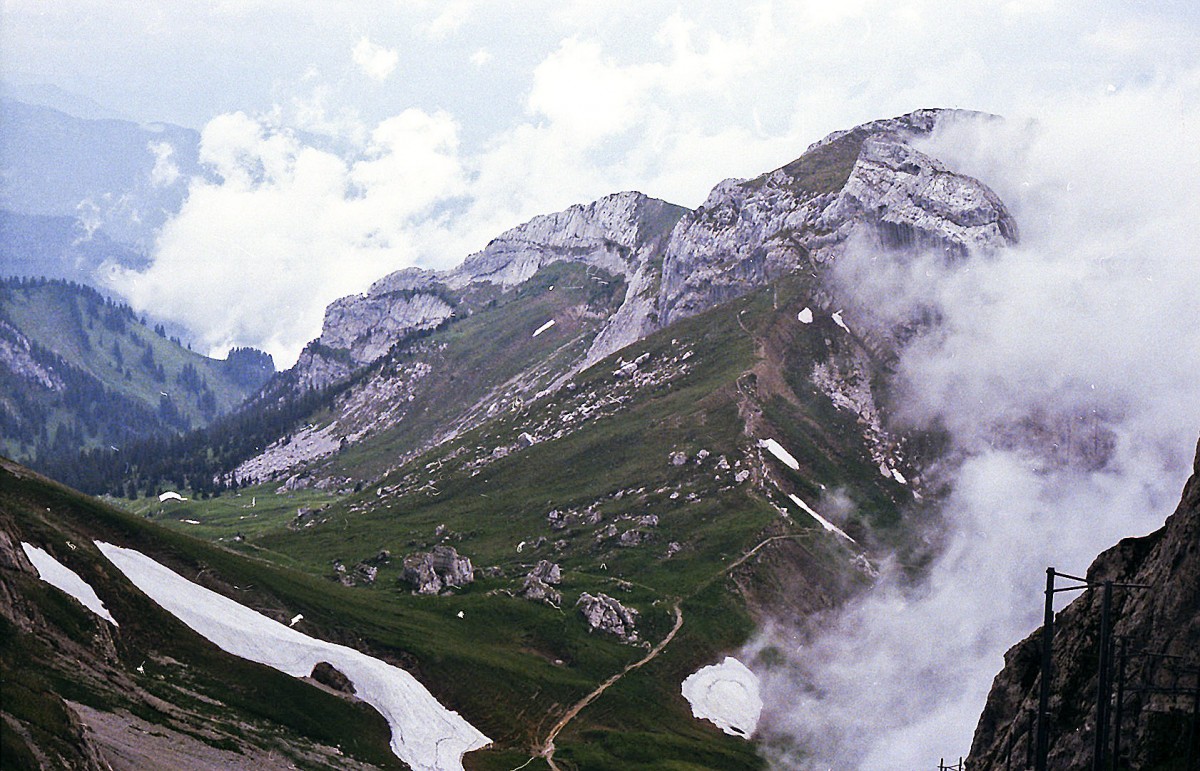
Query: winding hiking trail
(547, 749)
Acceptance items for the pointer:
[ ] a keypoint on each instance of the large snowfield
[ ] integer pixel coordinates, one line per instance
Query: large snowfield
(425, 734)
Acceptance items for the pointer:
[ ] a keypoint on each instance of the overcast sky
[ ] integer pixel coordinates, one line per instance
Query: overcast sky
(462, 118)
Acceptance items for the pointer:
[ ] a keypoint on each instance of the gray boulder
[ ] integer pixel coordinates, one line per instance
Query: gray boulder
(607, 615)
(442, 568)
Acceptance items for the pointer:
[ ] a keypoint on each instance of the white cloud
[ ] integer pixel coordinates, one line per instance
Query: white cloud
(481, 57)
(165, 171)
(255, 257)
(375, 61)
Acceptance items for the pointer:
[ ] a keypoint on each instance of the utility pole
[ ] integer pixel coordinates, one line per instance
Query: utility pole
(1043, 723)
(1103, 687)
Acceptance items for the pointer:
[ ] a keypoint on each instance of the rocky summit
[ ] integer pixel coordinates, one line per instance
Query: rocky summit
(658, 262)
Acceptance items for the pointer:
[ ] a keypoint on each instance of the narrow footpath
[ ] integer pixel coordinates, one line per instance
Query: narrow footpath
(547, 749)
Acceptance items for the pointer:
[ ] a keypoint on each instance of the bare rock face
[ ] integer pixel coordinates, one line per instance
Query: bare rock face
(16, 356)
(1161, 629)
(366, 326)
(442, 568)
(799, 216)
(607, 615)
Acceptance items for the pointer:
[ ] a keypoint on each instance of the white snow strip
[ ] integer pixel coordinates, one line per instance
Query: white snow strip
(296, 619)
(824, 522)
(543, 327)
(776, 449)
(170, 495)
(805, 316)
(190, 521)
(727, 695)
(837, 319)
(899, 477)
(425, 735)
(62, 577)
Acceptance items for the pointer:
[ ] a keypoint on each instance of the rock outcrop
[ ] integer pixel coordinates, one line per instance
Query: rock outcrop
(605, 614)
(1160, 627)
(539, 583)
(436, 570)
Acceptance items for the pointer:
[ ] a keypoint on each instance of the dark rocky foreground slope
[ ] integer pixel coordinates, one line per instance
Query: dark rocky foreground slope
(1160, 630)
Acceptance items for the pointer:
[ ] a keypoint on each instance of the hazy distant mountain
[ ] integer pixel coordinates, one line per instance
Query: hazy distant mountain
(66, 181)
(69, 102)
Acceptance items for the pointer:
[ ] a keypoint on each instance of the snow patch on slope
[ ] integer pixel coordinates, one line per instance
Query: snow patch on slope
(425, 734)
(824, 522)
(727, 695)
(776, 449)
(62, 577)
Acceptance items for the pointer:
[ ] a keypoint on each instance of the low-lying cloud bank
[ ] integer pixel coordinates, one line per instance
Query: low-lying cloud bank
(1064, 370)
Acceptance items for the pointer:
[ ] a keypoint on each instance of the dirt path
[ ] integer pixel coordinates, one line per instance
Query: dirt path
(547, 749)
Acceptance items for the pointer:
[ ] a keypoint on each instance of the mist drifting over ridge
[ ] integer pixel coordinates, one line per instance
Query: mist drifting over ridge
(1063, 370)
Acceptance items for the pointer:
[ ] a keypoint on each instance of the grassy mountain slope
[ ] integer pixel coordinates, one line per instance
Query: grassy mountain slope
(646, 483)
(152, 675)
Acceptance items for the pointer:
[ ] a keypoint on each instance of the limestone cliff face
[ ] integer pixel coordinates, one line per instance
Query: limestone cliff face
(869, 179)
(1161, 627)
(368, 325)
(678, 262)
(620, 234)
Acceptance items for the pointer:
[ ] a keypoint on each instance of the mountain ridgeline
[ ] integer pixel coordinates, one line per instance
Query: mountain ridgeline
(410, 362)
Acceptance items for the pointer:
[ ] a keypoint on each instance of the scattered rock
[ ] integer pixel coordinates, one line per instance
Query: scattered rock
(633, 538)
(547, 571)
(536, 589)
(525, 439)
(673, 548)
(607, 615)
(678, 458)
(326, 674)
(430, 572)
